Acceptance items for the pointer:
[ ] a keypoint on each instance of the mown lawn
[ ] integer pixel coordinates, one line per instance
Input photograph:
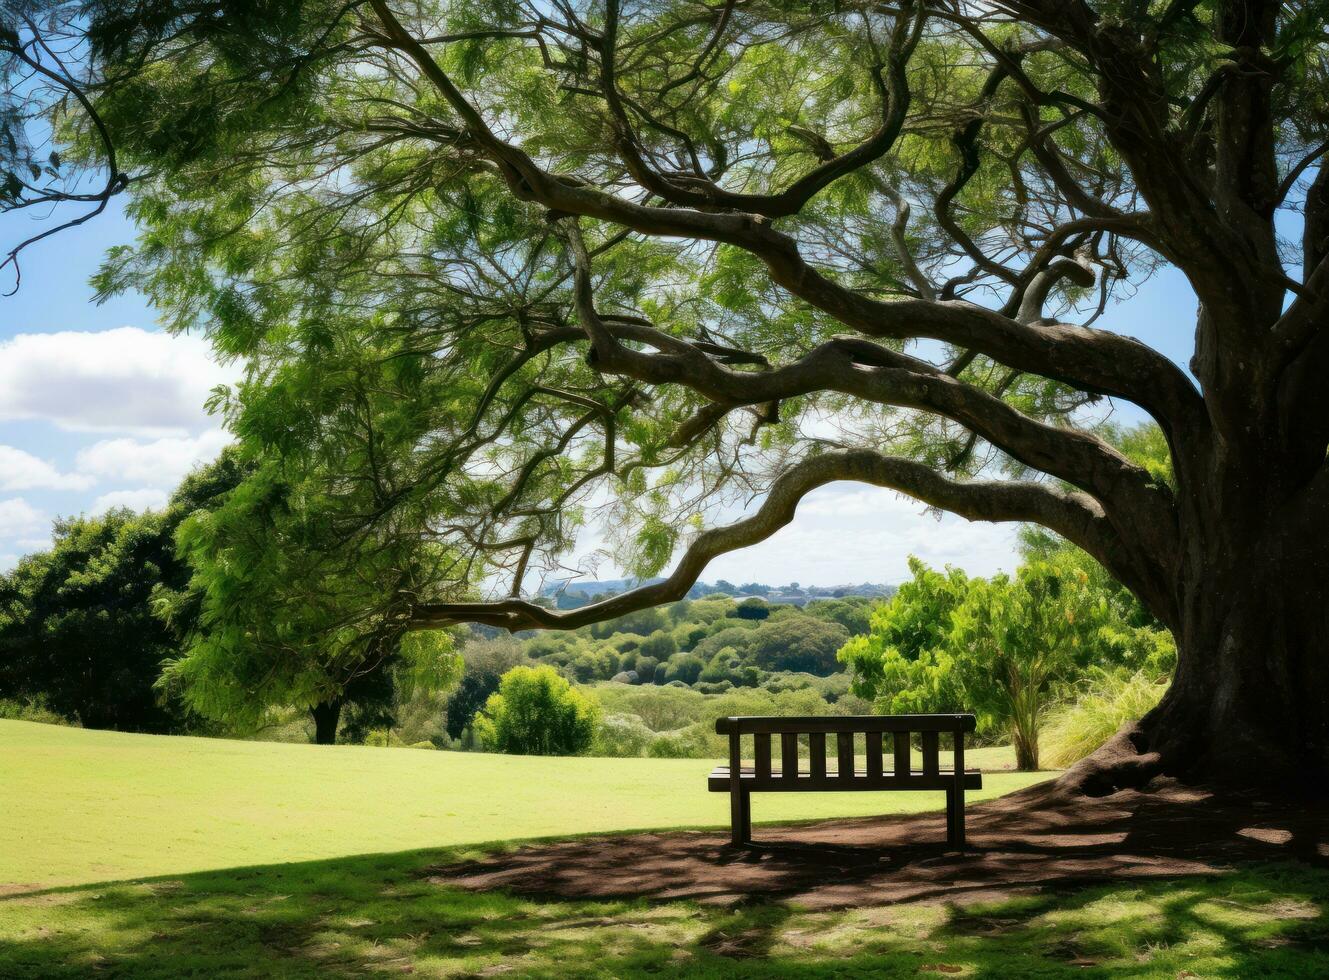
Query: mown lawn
(381, 914)
(79, 806)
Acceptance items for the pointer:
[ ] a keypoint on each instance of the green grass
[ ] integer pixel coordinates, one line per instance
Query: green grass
(81, 806)
(291, 891)
(381, 914)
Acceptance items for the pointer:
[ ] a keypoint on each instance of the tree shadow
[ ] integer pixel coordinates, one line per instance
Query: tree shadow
(1026, 841)
(388, 913)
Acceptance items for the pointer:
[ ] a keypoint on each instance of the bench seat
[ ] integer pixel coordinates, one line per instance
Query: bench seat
(718, 781)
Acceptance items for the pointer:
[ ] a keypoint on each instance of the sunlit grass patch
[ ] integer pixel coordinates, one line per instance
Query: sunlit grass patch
(375, 914)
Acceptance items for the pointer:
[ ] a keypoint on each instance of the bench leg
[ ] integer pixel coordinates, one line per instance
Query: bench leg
(955, 818)
(740, 817)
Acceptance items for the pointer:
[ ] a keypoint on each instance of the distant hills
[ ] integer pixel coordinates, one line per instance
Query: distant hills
(571, 593)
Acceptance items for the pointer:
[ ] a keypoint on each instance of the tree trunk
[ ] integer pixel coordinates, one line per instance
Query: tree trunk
(1249, 705)
(326, 715)
(1026, 751)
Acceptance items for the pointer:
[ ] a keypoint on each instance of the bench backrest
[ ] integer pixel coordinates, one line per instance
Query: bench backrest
(844, 728)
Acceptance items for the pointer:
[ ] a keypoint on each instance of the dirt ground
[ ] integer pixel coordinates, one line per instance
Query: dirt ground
(1035, 839)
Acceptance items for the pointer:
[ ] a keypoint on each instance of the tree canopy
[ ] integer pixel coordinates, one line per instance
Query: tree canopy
(500, 268)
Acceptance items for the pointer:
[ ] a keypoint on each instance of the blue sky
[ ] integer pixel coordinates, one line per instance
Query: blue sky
(100, 407)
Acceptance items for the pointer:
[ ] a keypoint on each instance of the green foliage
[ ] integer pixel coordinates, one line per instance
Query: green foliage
(728, 665)
(1005, 648)
(77, 628)
(752, 608)
(854, 613)
(536, 712)
(1015, 641)
(644, 622)
(34, 709)
(685, 667)
(677, 722)
(797, 643)
(915, 622)
(1109, 700)
(484, 664)
(660, 645)
(286, 619)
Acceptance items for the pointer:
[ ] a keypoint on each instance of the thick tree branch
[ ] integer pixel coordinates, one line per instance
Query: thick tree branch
(875, 373)
(1097, 361)
(1075, 516)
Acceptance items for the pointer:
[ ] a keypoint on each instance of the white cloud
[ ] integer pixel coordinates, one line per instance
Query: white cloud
(21, 527)
(19, 518)
(122, 380)
(846, 533)
(158, 463)
(21, 470)
(144, 498)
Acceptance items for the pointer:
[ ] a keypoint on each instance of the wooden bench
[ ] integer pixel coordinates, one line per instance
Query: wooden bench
(741, 781)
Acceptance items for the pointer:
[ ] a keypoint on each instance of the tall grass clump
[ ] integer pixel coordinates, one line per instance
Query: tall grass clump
(1110, 700)
(14, 709)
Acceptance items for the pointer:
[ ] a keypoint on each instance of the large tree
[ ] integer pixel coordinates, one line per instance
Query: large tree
(494, 262)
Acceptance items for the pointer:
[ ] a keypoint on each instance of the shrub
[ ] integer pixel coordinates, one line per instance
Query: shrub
(752, 608)
(486, 661)
(728, 667)
(1110, 700)
(713, 687)
(34, 710)
(798, 643)
(537, 712)
(622, 736)
(685, 667)
(660, 645)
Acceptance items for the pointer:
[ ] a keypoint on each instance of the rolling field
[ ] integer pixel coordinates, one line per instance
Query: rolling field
(147, 857)
(82, 806)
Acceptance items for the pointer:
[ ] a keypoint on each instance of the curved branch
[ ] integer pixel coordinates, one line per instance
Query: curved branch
(875, 373)
(1073, 515)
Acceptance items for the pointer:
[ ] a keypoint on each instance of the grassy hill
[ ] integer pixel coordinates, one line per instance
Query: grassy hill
(259, 860)
(82, 806)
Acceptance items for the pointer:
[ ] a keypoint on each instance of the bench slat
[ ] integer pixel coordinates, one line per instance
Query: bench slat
(761, 754)
(874, 754)
(901, 758)
(817, 755)
(848, 723)
(719, 782)
(789, 755)
(930, 751)
(844, 747)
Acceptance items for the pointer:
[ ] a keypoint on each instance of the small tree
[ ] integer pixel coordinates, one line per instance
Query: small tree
(486, 661)
(1014, 640)
(1002, 647)
(86, 626)
(77, 627)
(914, 623)
(537, 712)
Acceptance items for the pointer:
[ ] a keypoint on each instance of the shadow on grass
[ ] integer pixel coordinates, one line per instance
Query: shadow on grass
(381, 913)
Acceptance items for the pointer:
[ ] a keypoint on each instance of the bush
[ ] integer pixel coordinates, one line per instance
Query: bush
(537, 712)
(685, 667)
(623, 737)
(34, 710)
(659, 645)
(729, 667)
(752, 608)
(1111, 700)
(798, 643)
(486, 661)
